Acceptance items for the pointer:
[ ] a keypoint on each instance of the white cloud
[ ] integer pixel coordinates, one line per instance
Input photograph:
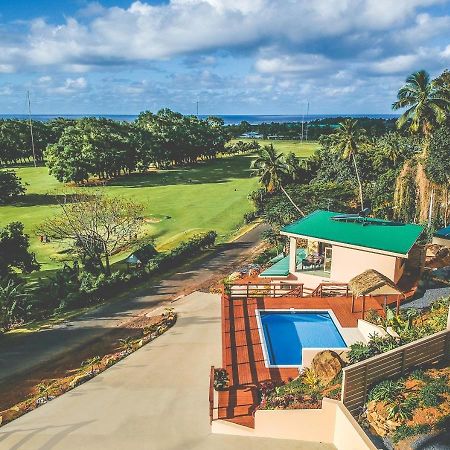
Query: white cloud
(147, 32)
(70, 86)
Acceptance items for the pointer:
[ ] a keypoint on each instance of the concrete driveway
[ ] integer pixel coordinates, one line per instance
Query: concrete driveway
(156, 399)
(21, 353)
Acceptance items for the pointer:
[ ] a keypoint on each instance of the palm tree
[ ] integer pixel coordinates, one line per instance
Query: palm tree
(347, 140)
(271, 168)
(427, 102)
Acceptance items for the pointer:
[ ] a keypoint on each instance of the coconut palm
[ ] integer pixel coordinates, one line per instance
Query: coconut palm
(428, 105)
(271, 168)
(347, 140)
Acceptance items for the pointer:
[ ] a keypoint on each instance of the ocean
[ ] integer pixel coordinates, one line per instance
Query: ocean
(228, 119)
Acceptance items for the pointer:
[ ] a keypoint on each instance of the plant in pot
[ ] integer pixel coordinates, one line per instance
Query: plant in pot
(220, 379)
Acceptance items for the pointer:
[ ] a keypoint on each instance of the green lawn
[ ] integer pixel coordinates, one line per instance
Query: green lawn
(301, 149)
(178, 203)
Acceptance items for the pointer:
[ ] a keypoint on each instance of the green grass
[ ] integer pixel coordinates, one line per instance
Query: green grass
(301, 149)
(210, 195)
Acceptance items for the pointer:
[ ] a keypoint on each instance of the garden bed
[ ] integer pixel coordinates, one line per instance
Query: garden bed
(23, 394)
(403, 410)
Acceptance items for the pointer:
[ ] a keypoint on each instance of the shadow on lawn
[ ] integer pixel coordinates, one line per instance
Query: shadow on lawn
(217, 171)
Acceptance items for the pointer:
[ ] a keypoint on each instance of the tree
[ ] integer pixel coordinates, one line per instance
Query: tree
(347, 140)
(427, 104)
(14, 253)
(95, 225)
(10, 186)
(437, 167)
(271, 167)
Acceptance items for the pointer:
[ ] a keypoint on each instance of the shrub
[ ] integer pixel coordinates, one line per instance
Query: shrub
(387, 390)
(405, 431)
(359, 352)
(250, 216)
(403, 410)
(432, 393)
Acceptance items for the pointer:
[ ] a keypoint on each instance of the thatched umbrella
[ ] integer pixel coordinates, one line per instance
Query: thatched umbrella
(372, 282)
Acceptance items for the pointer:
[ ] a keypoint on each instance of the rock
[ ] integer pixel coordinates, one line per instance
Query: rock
(326, 365)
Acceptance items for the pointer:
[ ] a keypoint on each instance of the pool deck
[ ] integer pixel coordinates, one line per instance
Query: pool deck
(242, 354)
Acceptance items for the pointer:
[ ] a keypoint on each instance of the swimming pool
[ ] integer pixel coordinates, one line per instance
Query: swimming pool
(284, 333)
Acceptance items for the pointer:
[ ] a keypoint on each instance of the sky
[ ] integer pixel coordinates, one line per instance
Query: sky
(233, 56)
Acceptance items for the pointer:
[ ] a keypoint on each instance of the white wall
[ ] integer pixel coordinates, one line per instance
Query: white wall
(347, 263)
(331, 424)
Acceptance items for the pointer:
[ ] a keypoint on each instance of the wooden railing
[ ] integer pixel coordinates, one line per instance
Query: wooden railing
(211, 395)
(258, 290)
(331, 290)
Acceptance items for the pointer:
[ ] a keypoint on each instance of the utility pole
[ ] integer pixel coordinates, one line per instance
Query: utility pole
(197, 108)
(31, 128)
(306, 127)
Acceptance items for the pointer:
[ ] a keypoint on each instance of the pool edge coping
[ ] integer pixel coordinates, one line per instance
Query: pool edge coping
(308, 310)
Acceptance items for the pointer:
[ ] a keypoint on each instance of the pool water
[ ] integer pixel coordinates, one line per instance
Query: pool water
(287, 333)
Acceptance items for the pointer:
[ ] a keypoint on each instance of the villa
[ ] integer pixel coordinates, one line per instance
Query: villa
(329, 247)
(275, 323)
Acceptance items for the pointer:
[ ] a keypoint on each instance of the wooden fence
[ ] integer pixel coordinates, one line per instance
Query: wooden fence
(359, 377)
(256, 290)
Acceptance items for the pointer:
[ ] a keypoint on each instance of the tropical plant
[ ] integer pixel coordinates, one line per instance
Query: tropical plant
(221, 379)
(271, 168)
(403, 410)
(92, 363)
(13, 306)
(348, 140)
(427, 106)
(359, 352)
(43, 389)
(127, 344)
(387, 390)
(432, 392)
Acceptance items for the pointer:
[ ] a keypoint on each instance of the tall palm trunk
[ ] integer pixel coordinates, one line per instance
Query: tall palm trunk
(292, 201)
(361, 200)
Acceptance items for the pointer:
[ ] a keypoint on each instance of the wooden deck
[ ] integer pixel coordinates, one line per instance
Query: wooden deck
(242, 351)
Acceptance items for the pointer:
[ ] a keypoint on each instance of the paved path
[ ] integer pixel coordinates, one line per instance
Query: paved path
(21, 353)
(156, 399)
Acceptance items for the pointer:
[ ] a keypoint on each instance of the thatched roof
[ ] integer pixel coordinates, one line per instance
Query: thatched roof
(370, 281)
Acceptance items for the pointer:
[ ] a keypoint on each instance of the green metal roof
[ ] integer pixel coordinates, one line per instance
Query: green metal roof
(281, 268)
(376, 234)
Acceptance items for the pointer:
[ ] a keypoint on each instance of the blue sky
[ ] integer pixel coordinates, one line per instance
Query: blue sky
(234, 56)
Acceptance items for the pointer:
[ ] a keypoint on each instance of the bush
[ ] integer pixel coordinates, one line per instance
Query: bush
(387, 390)
(250, 216)
(432, 393)
(359, 352)
(405, 431)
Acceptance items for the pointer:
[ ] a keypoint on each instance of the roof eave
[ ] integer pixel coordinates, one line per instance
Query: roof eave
(344, 244)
